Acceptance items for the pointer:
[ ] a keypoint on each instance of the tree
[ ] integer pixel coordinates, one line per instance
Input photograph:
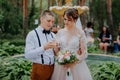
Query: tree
(25, 17)
(59, 16)
(115, 13)
(48, 4)
(40, 6)
(110, 19)
(10, 16)
(82, 2)
(53, 1)
(83, 15)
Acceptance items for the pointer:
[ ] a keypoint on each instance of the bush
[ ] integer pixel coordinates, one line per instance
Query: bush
(7, 49)
(15, 69)
(94, 49)
(106, 71)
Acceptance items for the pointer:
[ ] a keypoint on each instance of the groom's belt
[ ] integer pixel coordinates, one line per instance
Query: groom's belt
(38, 64)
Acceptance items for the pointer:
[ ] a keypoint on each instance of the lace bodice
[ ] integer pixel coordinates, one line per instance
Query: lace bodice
(68, 43)
(71, 42)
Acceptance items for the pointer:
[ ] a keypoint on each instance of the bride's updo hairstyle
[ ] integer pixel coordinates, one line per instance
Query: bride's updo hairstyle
(71, 14)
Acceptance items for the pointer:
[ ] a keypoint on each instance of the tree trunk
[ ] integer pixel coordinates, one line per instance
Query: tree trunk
(59, 2)
(90, 10)
(32, 9)
(82, 2)
(32, 4)
(110, 20)
(40, 6)
(100, 14)
(53, 1)
(83, 16)
(78, 2)
(48, 4)
(63, 2)
(25, 17)
(59, 16)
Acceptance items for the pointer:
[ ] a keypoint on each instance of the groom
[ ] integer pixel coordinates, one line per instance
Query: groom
(39, 48)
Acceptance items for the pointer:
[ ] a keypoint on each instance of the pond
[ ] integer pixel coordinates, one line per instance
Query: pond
(92, 57)
(100, 58)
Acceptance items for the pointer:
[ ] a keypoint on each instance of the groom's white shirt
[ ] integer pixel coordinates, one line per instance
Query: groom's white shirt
(32, 49)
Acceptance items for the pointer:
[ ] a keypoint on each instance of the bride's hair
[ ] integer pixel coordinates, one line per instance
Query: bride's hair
(71, 14)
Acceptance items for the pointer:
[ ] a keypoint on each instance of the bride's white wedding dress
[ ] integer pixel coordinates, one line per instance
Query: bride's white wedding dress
(71, 42)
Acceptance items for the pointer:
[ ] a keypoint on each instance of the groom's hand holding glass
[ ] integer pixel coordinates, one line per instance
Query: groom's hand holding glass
(51, 44)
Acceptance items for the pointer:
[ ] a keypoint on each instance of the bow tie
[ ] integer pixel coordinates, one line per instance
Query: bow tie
(46, 31)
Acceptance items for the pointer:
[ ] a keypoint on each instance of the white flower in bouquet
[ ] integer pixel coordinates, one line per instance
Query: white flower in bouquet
(66, 57)
(60, 58)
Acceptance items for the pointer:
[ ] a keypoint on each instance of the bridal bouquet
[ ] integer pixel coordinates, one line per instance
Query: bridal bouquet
(66, 57)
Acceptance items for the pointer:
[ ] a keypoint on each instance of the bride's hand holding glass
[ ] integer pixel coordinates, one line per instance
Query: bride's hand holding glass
(57, 47)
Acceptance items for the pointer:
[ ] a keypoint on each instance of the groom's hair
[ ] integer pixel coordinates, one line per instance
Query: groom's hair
(47, 12)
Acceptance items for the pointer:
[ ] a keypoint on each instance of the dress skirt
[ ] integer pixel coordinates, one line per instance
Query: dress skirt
(79, 71)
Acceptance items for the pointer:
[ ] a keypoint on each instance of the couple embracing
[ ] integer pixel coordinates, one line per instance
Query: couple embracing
(43, 46)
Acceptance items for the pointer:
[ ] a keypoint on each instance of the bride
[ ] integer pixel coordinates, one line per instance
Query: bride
(72, 38)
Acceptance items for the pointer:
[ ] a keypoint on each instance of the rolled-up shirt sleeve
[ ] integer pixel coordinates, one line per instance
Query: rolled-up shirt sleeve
(31, 51)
